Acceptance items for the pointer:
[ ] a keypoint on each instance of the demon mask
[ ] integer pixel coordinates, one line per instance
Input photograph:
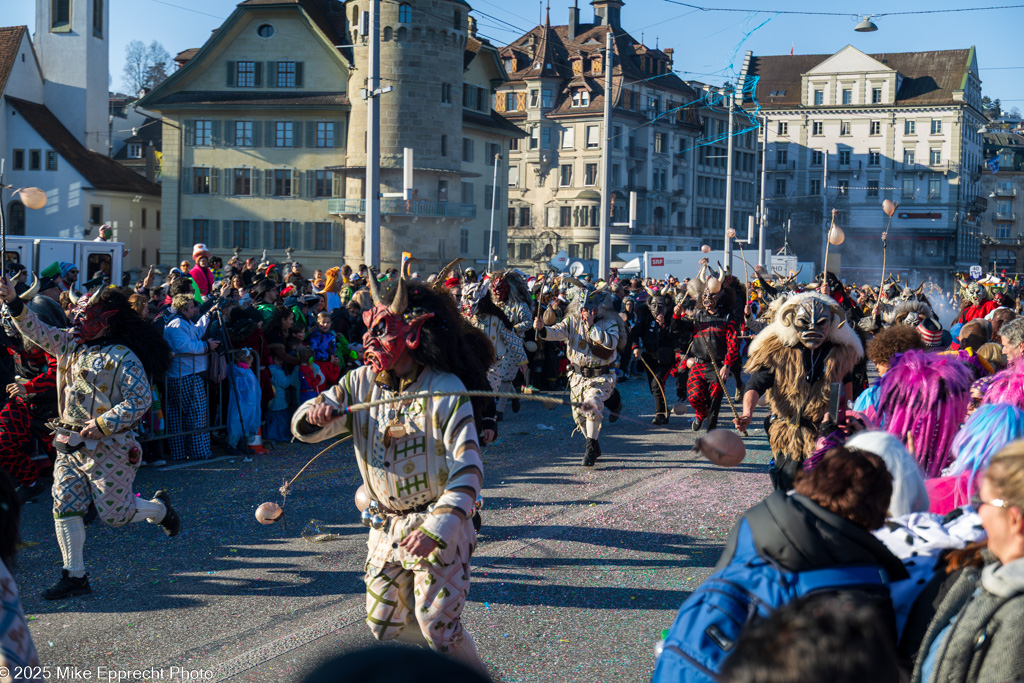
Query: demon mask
(814, 317)
(658, 306)
(89, 319)
(975, 294)
(472, 294)
(711, 297)
(390, 330)
(500, 288)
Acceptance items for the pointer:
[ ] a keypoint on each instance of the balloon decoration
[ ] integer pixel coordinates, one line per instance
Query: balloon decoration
(723, 447)
(32, 197)
(268, 513)
(706, 249)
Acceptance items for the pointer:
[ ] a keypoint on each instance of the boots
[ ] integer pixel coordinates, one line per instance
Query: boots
(592, 453)
(171, 523)
(68, 586)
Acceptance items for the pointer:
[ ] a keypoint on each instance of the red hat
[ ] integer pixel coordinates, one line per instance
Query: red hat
(451, 283)
(199, 249)
(930, 331)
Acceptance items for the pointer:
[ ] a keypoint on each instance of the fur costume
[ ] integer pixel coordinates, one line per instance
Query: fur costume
(924, 397)
(510, 293)
(714, 330)
(798, 407)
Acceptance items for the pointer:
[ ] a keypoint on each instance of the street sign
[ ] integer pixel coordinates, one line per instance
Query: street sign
(975, 272)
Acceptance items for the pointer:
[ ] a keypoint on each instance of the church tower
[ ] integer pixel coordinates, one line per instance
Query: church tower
(72, 42)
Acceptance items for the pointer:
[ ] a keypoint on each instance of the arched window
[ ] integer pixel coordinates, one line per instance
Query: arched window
(405, 13)
(355, 16)
(457, 23)
(659, 217)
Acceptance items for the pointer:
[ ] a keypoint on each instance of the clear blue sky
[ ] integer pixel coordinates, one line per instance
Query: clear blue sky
(705, 42)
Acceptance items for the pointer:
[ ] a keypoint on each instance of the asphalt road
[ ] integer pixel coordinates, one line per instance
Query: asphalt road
(576, 574)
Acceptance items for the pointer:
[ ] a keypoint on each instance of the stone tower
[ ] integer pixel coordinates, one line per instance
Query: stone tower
(71, 41)
(422, 57)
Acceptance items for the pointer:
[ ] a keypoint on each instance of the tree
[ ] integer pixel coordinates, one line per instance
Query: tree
(144, 66)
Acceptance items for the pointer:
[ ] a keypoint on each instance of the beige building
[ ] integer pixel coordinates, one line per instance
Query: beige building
(556, 96)
(1003, 186)
(849, 130)
(263, 149)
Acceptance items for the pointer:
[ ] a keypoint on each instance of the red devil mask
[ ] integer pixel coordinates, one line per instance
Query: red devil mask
(500, 287)
(91, 322)
(391, 330)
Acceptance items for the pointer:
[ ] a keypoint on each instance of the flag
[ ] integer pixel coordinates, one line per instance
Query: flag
(993, 164)
(792, 47)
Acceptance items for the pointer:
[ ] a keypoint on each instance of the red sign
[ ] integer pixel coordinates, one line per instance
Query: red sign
(655, 261)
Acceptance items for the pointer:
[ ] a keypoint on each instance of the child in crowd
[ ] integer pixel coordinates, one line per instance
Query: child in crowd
(312, 379)
(279, 413)
(243, 403)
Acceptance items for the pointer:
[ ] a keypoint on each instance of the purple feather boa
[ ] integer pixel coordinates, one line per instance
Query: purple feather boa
(924, 397)
(1007, 386)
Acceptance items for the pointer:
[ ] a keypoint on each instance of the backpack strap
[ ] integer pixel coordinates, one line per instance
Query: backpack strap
(840, 577)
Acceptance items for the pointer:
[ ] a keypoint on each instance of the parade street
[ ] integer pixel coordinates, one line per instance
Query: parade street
(576, 573)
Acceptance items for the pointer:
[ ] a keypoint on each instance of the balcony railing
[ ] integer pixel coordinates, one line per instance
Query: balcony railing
(1004, 216)
(637, 151)
(916, 167)
(979, 203)
(1006, 192)
(401, 207)
(787, 166)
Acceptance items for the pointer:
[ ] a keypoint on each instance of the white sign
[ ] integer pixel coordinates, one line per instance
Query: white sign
(975, 272)
(560, 260)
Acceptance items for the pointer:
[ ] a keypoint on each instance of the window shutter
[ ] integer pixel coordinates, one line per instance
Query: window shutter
(296, 183)
(310, 238)
(215, 137)
(190, 132)
(310, 183)
(310, 133)
(268, 235)
(271, 74)
(214, 180)
(339, 133)
(335, 184)
(228, 235)
(185, 239)
(214, 234)
(254, 233)
(259, 74)
(186, 180)
(336, 238)
(297, 134)
(256, 128)
(229, 134)
(298, 74)
(231, 74)
(268, 184)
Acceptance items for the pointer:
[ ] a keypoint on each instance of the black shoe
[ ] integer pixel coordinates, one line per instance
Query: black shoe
(660, 419)
(500, 416)
(592, 453)
(171, 522)
(477, 522)
(515, 405)
(31, 492)
(696, 425)
(67, 586)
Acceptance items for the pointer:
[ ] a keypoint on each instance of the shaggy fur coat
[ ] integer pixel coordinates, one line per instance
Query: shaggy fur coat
(778, 348)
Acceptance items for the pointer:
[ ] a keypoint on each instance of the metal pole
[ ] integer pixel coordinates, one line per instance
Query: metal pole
(824, 209)
(761, 255)
(494, 200)
(604, 236)
(728, 186)
(372, 247)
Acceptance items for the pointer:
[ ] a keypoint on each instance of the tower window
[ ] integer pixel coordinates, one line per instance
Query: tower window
(97, 18)
(405, 13)
(60, 15)
(457, 22)
(265, 31)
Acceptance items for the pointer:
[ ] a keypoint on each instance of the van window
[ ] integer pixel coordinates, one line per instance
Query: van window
(98, 263)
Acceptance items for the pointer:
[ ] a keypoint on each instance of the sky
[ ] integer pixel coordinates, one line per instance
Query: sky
(709, 45)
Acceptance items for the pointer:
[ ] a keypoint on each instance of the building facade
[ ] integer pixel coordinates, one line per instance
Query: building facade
(263, 150)
(1003, 185)
(54, 133)
(849, 130)
(555, 94)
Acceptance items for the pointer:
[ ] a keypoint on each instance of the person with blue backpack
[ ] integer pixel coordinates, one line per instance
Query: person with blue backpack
(815, 539)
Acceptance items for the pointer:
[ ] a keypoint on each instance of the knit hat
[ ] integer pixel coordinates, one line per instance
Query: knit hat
(199, 249)
(930, 331)
(332, 283)
(66, 268)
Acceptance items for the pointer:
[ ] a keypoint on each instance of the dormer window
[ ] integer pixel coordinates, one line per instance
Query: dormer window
(581, 98)
(595, 65)
(510, 64)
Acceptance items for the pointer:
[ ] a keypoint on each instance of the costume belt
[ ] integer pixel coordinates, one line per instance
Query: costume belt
(596, 371)
(403, 513)
(378, 516)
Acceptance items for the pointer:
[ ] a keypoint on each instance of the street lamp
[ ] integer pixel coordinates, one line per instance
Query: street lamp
(866, 25)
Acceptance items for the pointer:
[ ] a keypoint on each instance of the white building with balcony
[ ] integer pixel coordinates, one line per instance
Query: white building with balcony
(849, 130)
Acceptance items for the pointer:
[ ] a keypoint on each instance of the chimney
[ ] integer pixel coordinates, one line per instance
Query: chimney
(574, 20)
(607, 13)
(669, 52)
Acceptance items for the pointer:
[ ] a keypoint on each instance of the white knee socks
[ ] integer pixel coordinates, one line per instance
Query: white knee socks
(71, 539)
(466, 653)
(152, 511)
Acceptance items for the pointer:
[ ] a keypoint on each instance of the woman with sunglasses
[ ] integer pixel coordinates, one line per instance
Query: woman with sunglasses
(977, 635)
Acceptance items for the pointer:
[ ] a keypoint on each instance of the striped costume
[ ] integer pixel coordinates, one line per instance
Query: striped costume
(412, 456)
